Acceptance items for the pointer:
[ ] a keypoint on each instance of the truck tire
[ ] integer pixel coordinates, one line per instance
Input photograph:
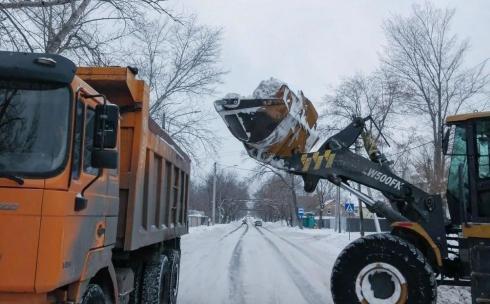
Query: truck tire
(171, 279)
(153, 278)
(382, 268)
(135, 295)
(93, 295)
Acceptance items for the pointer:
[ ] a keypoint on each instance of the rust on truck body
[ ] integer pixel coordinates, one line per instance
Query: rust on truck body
(48, 250)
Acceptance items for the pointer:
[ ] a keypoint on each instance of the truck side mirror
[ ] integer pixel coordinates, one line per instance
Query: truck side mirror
(106, 159)
(445, 141)
(104, 154)
(106, 126)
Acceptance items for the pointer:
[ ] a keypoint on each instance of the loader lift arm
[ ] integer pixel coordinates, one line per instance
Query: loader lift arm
(335, 162)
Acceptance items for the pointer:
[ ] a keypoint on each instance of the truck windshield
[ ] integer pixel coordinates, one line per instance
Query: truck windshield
(33, 130)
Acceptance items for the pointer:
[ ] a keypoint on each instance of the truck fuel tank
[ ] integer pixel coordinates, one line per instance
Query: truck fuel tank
(273, 123)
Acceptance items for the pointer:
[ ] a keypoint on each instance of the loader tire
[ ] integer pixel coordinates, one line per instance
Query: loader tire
(171, 279)
(382, 268)
(93, 295)
(152, 284)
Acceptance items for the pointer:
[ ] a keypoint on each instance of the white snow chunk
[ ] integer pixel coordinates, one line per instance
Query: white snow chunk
(268, 88)
(232, 96)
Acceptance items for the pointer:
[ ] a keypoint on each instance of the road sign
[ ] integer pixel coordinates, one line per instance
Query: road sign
(301, 212)
(349, 207)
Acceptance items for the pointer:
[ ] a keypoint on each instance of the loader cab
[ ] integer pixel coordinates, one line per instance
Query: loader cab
(467, 142)
(468, 197)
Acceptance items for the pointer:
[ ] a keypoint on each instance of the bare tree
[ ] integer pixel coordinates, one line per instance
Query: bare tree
(423, 54)
(180, 61)
(231, 195)
(84, 30)
(23, 4)
(274, 190)
(15, 4)
(377, 95)
(288, 183)
(324, 191)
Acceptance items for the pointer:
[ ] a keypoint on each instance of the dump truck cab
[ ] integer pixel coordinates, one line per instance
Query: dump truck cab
(81, 201)
(47, 234)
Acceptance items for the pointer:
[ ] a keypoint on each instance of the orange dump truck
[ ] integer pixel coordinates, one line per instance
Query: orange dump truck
(93, 193)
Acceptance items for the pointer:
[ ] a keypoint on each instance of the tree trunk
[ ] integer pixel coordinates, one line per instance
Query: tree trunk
(295, 203)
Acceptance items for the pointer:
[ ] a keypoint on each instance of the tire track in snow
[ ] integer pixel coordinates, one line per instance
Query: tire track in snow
(236, 290)
(298, 248)
(231, 232)
(307, 291)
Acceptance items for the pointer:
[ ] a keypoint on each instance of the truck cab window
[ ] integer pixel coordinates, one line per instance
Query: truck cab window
(77, 139)
(89, 142)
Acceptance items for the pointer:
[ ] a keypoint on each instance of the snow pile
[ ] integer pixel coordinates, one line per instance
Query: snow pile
(268, 88)
(204, 228)
(232, 96)
(452, 294)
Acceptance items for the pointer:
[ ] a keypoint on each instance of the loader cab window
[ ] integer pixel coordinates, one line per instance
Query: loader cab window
(482, 146)
(482, 137)
(455, 196)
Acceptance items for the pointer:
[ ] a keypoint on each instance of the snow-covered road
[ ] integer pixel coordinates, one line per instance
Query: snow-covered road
(240, 264)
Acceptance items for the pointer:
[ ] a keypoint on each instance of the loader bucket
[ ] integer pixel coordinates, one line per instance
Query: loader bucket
(271, 128)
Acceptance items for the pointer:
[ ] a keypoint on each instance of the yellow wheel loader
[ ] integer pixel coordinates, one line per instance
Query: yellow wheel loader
(426, 247)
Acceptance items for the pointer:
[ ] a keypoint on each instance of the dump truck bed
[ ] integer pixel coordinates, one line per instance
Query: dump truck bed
(154, 171)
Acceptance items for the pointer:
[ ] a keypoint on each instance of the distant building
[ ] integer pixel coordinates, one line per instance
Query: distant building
(197, 218)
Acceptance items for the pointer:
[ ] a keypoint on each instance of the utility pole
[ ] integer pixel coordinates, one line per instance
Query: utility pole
(361, 215)
(376, 220)
(357, 148)
(320, 222)
(214, 195)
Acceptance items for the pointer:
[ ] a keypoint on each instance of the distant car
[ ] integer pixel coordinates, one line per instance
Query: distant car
(258, 223)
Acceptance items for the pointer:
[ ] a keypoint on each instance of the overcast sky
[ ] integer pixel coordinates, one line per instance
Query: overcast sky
(311, 45)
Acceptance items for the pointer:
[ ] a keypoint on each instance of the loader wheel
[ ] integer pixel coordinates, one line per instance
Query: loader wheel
(171, 279)
(384, 269)
(152, 286)
(93, 295)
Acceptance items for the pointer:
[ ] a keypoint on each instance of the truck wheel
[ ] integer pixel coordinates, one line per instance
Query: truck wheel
(171, 280)
(384, 269)
(135, 295)
(93, 295)
(152, 285)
